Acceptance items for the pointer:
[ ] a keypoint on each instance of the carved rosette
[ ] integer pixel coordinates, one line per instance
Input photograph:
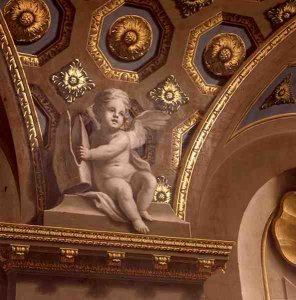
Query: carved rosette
(224, 54)
(163, 191)
(168, 95)
(129, 38)
(72, 81)
(282, 13)
(282, 94)
(28, 20)
(189, 7)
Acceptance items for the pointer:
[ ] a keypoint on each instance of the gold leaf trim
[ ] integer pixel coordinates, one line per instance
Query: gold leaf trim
(224, 54)
(27, 20)
(211, 118)
(129, 38)
(58, 46)
(177, 138)
(282, 13)
(282, 94)
(190, 7)
(99, 57)
(18, 78)
(168, 95)
(193, 40)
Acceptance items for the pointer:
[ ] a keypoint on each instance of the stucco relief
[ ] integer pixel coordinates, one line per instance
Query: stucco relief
(103, 167)
(284, 228)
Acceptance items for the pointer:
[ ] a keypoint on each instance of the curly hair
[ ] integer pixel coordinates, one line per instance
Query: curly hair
(106, 96)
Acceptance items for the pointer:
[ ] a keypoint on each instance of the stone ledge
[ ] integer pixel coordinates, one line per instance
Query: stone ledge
(69, 214)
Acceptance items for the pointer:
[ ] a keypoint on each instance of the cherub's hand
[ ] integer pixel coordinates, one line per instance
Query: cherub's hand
(83, 153)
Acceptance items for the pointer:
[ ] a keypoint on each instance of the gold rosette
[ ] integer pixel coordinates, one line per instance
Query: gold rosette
(28, 20)
(224, 54)
(168, 95)
(129, 38)
(163, 191)
(282, 13)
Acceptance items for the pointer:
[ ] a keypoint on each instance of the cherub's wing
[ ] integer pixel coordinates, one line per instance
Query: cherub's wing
(149, 119)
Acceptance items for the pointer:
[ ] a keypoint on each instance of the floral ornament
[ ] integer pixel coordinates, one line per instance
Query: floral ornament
(284, 228)
(282, 94)
(163, 191)
(282, 13)
(224, 54)
(129, 38)
(72, 81)
(28, 20)
(189, 7)
(168, 95)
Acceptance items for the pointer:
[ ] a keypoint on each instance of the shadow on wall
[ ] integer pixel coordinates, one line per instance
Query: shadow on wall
(60, 288)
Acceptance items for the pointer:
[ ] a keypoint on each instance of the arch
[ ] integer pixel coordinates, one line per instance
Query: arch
(23, 123)
(232, 100)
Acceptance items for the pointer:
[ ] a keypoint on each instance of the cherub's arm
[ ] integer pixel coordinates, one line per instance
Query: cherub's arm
(117, 145)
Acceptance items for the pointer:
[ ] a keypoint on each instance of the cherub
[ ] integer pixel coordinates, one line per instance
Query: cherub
(117, 170)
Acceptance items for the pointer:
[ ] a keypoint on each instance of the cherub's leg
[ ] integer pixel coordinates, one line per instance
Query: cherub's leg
(143, 184)
(121, 191)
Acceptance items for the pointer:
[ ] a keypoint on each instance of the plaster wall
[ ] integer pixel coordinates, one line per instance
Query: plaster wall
(30, 287)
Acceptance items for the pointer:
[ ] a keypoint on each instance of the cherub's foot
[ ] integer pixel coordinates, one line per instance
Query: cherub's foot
(140, 226)
(146, 215)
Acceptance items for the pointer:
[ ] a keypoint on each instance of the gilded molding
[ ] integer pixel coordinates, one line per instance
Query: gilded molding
(194, 36)
(284, 226)
(19, 251)
(99, 270)
(27, 20)
(224, 54)
(282, 94)
(163, 191)
(99, 57)
(71, 81)
(206, 266)
(36, 233)
(115, 258)
(59, 45)
(168, 95)
(161, 262)
(190, 7)
(18, 78)
(110, 253)
(177, 138)
(281, 13)
(213, 114)
(49, 110)
(129, 38)
(68, 255)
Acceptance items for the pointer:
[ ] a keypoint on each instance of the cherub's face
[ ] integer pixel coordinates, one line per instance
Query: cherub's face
(113, 115)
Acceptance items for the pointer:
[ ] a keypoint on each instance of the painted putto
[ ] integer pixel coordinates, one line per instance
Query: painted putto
(118, 179)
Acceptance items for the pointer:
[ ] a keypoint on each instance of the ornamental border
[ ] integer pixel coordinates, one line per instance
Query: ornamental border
(37, 233)
(208, 122)
(100, 59)
(193, 39)
(37, 60)
(23, 94)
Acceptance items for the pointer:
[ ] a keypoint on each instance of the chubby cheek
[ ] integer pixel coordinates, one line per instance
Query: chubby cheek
(121, 120)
